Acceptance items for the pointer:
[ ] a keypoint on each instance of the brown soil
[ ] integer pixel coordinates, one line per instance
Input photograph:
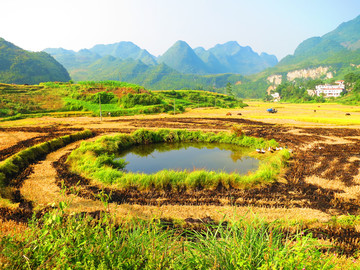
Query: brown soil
(278, 195)
(19, 138)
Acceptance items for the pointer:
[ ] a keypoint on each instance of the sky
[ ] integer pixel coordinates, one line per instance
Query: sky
(271, 26)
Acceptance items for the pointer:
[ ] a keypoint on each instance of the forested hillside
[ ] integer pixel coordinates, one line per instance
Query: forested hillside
(23, 67)
(337, 48)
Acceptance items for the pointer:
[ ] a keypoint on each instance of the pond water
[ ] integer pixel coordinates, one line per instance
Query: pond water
(152, 158)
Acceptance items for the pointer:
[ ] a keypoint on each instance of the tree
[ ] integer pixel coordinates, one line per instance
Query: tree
(229, 89)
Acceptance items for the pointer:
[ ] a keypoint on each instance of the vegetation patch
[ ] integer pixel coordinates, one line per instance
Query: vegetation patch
(95, 161)
(195, 99)
(112, 98)
(57, 241)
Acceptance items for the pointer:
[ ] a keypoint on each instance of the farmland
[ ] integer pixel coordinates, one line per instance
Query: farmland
(106, 97)
(316, 193)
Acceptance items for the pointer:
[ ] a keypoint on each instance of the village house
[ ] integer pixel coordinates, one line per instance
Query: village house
(328, 90)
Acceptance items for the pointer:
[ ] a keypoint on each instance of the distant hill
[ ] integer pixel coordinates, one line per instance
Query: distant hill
(339, 46)
(237, 59)
(155, 77)
(182, 58)
(124, 50)
(85, 57)
(70, 59)
(347, 34)
(329, 57)
(223, 58)
(180, 67)
(23, 67)
(213, 64)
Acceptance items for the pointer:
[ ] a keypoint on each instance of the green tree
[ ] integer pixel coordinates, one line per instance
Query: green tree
(229, 89)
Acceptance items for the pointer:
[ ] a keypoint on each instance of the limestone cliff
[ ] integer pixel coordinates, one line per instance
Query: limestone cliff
(313, 73)
(309, 73)
(275, 79)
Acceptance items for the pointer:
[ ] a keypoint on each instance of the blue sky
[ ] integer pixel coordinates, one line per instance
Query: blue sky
(272, 26)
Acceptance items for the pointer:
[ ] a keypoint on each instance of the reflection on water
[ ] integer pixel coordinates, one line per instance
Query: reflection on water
(152, 158)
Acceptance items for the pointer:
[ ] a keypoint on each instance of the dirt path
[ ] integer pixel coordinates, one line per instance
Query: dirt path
(41, 188)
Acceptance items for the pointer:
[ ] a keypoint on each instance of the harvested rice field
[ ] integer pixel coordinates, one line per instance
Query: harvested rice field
(318, 190)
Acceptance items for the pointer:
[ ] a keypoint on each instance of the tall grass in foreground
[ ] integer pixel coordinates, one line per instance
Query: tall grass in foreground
(80, 242)
(94, 160)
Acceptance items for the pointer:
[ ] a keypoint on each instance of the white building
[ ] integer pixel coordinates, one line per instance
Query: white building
(328, 90)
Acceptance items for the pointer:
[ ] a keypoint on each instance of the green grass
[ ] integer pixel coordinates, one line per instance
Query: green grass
(88, 159)
(194, 99)
(110, 84)
(112, 108)
(80, 242)
(89, 106)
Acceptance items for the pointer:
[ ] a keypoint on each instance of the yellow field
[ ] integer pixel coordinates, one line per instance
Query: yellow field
(327, 114)
(299, 114)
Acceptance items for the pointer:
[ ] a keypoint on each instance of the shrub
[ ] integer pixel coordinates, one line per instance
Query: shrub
(105, 97)
(145, 99)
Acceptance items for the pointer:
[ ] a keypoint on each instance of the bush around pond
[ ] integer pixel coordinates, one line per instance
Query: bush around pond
(95, 160)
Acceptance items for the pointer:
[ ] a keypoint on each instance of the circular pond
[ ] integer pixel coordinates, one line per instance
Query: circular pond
(189, 156)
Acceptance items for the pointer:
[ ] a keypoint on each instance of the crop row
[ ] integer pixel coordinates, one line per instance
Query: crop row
(14, 165)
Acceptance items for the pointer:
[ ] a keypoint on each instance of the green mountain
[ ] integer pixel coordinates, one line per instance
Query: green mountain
(213, 64)
(347, 34)
(70, 59)
(338, 47)
(85, 57)
(180, 67)
(270, 59)
(237, 59)
(23, 67)
(327, 58)
(156, 77)
(110, 68)
(124, 50)
(223, 58)
(182, 58)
